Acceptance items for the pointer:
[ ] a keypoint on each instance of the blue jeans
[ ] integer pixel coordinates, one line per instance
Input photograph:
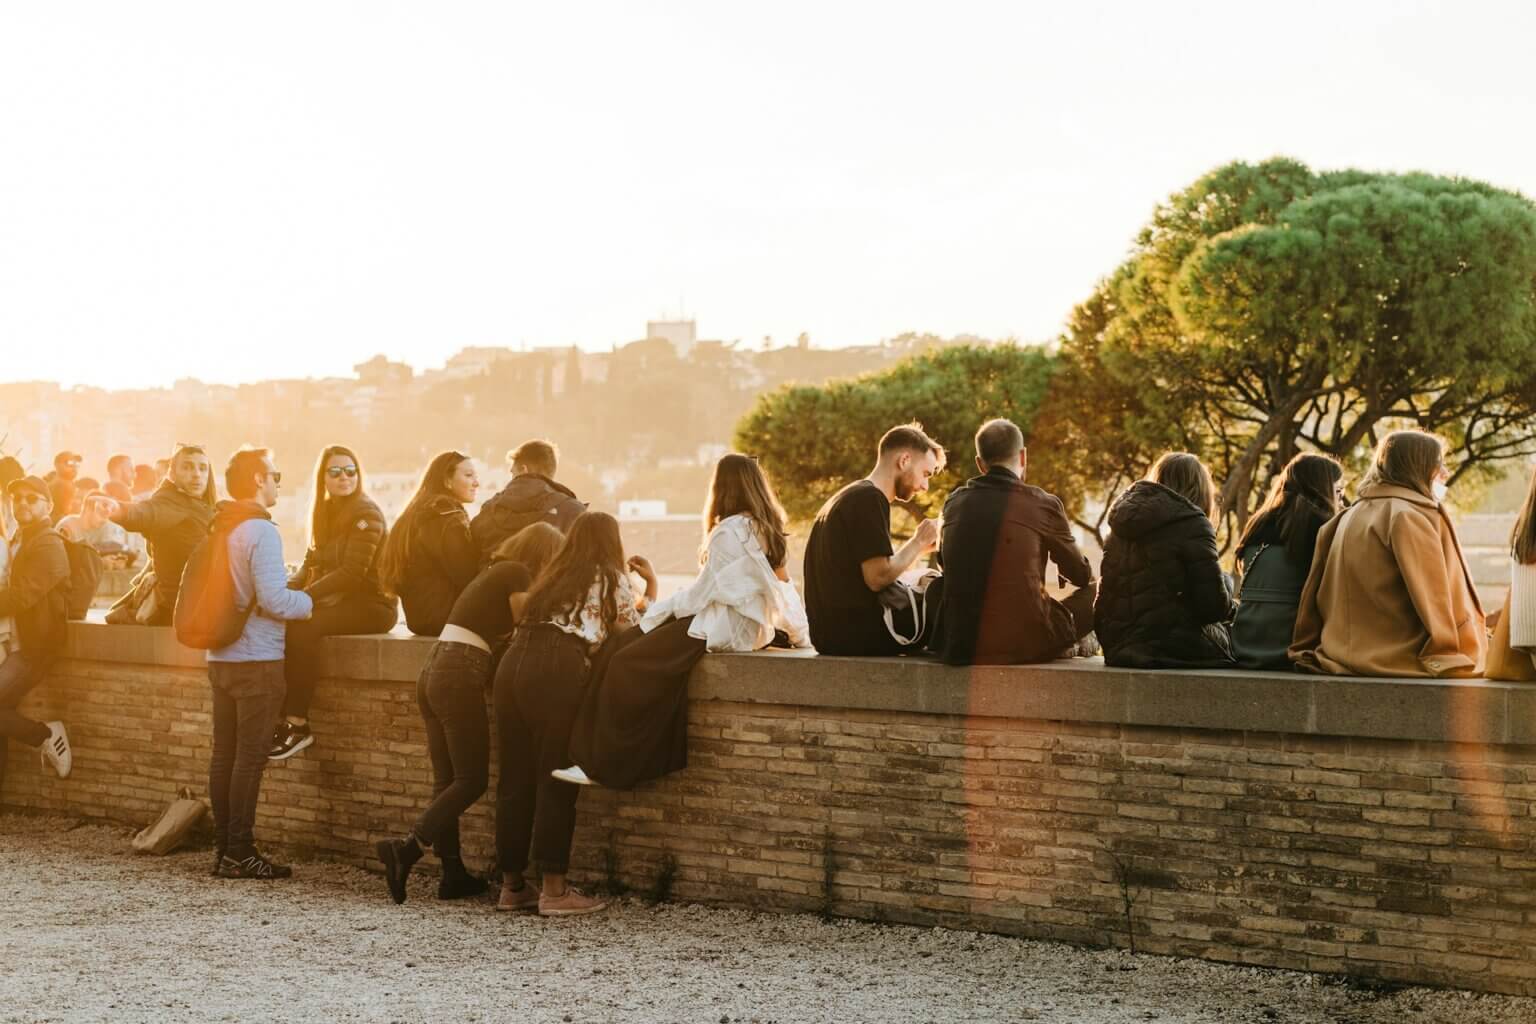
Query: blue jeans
(19, 675)
(247, 699)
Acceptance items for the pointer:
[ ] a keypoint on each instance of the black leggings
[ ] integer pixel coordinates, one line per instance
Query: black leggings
(356, 613)
(451, 695)
(539, 686)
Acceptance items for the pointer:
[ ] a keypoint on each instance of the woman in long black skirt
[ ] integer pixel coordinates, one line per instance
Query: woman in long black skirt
(633, 724)
(582, 598)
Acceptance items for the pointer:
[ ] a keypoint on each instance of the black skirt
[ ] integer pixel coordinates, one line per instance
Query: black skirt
(633, 724)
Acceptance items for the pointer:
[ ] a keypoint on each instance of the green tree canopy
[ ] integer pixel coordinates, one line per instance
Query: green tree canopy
(814, 440)
(1268, 308)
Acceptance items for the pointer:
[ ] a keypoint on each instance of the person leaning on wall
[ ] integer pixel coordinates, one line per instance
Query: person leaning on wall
(1389, 593)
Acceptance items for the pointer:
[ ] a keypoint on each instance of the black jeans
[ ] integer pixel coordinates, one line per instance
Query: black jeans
(451, 694)
(19, 676)
(355, 614)
(539, 687)
(247, 700)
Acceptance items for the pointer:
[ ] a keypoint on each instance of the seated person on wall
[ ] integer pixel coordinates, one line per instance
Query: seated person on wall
(1389, 593)
(1274, 557)
(531, 497)
(341, 574)
(849, 558)
(118, 548)
(430, 557)
(997, 536)
(173, 521)
(119, 478)
(34, 597)
(1164, 601)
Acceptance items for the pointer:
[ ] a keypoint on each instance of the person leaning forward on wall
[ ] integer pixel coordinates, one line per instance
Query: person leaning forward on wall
(36, 595)
(997, 536)
(531, 497)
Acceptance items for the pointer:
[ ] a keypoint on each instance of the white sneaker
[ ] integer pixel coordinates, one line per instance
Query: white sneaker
(573, 774)
(56, 750)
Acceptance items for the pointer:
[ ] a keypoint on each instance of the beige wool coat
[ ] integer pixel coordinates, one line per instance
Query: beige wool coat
(1389, 593)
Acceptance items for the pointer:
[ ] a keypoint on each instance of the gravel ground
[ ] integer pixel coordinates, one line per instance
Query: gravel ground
(91, 932)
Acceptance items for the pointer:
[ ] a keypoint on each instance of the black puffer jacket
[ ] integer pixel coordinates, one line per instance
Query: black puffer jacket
(528, 499)
(38, 592)
(1163, 599)
(343, 560)
(173, 522)
(441, 559)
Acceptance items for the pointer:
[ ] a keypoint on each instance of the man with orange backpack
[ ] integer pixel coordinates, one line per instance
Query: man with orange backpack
(235, 603)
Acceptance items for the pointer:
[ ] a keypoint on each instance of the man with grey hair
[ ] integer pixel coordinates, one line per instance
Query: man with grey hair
(998, 534)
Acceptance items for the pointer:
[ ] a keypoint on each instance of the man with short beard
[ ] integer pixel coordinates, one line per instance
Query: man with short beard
(849, 558)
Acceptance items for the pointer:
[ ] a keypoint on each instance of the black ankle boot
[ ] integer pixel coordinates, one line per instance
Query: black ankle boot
(458, 883)
(398, 856)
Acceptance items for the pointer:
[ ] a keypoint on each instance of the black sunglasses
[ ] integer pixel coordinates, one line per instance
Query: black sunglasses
(29, 499)
(336, 472)
(276, 476)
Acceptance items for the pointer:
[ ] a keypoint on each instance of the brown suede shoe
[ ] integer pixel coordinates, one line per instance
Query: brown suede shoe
(570, 903)
(524, 899)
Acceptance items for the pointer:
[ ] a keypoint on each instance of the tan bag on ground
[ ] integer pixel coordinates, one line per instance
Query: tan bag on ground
(1504, 662)
(176, 822)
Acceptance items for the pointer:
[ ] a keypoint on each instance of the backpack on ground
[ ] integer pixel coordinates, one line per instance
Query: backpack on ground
(207, 616)
(85, 569)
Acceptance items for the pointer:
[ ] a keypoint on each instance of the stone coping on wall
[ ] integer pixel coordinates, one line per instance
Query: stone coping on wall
(1081, 690)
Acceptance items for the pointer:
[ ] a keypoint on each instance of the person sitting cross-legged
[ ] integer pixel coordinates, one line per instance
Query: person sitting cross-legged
(999, 532)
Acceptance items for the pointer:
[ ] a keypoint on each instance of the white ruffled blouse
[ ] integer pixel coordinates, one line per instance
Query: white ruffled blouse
(736, 602)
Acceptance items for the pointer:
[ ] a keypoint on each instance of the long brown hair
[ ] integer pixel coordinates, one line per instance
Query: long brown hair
(533, 547)
(1185, 474)
(1304, 496)
(593, 552)
(1407, 458)
(740, 487)
(1522, 539)
(397, 548)
(320, 500)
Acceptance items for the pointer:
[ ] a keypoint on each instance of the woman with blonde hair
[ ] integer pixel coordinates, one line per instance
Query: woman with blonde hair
(1164, 601)
(633, 724)
(1389, 593)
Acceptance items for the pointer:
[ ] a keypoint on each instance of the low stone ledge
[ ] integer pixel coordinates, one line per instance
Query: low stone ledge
(1084, 690)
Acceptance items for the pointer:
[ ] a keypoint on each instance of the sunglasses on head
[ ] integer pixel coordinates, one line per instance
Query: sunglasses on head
(337, 472)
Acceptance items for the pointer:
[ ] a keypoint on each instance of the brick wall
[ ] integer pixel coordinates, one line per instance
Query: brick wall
(1031, 801)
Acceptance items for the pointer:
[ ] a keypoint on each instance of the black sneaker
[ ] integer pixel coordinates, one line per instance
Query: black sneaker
(289, 740)
(218, 862)
(253, 866)
(398, 856)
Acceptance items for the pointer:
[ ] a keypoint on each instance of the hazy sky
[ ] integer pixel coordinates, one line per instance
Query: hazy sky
(244, 191)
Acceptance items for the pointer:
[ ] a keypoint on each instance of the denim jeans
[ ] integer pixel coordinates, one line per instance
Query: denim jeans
(356, 614)
(19, 676)
(451, 694)
(247, 699)
(539, 687)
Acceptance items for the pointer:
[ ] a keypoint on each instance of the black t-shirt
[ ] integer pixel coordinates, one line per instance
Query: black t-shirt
(845, 615)
(483, 608)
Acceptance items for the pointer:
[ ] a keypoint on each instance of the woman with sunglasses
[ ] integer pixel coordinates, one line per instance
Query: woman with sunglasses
(430, 558)
(173, 520)
(341, 574)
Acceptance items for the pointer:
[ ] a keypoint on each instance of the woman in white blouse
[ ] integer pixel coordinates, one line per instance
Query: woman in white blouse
(633, 724)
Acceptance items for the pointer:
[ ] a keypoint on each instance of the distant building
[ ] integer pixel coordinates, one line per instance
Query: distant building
(681, 334)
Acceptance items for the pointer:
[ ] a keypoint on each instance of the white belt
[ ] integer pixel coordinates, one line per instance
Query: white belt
(459, 635)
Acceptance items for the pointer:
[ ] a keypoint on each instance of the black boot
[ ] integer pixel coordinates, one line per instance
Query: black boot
(399, 856)
(458, 883)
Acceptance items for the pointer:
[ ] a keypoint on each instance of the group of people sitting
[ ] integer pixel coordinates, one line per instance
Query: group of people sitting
(536, 600)
(1378, 587)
